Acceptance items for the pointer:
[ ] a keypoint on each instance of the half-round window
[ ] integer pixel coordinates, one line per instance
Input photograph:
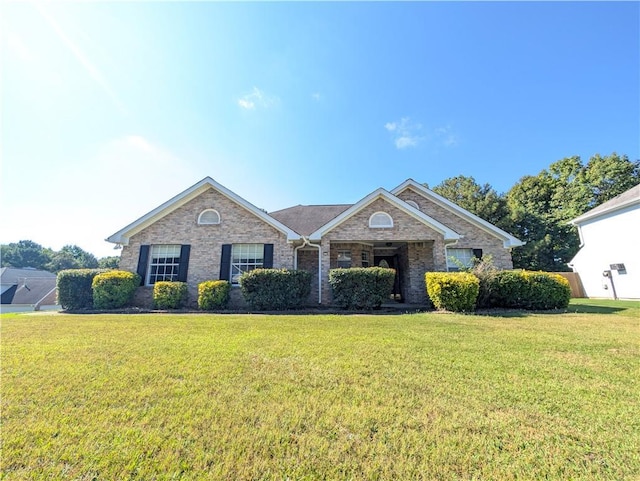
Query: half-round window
(208, 217)
(380, 220)
(413, 204)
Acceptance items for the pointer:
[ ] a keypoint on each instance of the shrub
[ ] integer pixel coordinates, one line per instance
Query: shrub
(114, 289)
(530, 290)
(486, 273)
(74, 288)
(453, 291)
(275, 289)
(169, 295)
(213, 295)
(361, 287)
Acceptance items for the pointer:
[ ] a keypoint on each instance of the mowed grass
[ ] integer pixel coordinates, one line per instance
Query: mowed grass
(414, 396)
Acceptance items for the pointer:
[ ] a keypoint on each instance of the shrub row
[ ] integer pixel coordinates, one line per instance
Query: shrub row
(464, 291)
(360, 287)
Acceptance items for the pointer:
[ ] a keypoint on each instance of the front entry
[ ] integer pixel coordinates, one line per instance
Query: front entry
(392, 262)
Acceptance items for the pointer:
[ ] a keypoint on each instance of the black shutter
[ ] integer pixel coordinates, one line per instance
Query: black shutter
(477, 253)
(185, 250)
(143, 261)
(225, 263)
(267, 262)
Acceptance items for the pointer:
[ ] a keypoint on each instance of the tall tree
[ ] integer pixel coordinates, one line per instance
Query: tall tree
(25, 253)
(72, 257)
(481, 200)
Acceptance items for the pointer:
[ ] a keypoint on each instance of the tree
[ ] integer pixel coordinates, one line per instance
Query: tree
(481, 200)
(610, 176)
(72, 257)
(109, 262)
(25, 253)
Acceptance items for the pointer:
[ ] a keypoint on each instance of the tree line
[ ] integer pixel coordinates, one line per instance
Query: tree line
(536, 210)
(26, 253)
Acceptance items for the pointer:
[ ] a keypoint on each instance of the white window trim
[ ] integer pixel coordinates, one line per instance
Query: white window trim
(378, 226)
(205, 212)
(238, 265)
(453, 266)
(413, 204)
(154, 250)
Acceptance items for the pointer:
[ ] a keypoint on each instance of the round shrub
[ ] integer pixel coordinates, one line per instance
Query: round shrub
(114, 289)
(453, 291)
(213, 295)
(530, 290)
(169, 295)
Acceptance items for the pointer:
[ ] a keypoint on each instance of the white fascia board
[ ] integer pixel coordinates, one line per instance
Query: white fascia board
(123, 235)
(508, 239)
(589, 216)
(380, 193)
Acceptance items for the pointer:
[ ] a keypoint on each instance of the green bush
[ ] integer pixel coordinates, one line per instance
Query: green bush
(275, 289)
(360, 287)
(74, 288)
(114, 289)
(213, 295)
(453, 291)
(169, 295)
(530, 290)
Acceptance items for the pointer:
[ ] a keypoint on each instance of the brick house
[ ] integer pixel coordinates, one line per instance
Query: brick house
(209, 232)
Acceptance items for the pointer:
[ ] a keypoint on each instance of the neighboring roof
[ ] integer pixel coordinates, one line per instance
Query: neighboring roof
(307, 218)
(508, 239)
(36, 291)
(626, 199)
(123, 235)
(12, 275)
(392, 199)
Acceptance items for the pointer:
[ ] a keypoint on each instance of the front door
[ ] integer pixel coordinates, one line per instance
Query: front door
(391, 262)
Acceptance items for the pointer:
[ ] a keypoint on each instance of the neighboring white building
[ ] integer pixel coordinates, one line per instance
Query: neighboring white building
(609, 258)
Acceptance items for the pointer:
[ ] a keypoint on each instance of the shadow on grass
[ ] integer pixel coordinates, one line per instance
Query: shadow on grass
(594, 309)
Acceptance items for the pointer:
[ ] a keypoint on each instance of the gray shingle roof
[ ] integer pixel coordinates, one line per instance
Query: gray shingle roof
(305, 219)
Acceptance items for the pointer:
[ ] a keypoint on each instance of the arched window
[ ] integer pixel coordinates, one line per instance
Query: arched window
(413, 204)
(208, 217)
(380, 220)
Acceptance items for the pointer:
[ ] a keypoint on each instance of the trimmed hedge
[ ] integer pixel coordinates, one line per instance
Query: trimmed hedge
(169, 295)
(74, 288)
(361, 287)
(275, 289)
(114, 289)
(213, 295)
(453, 291)
(530, 290)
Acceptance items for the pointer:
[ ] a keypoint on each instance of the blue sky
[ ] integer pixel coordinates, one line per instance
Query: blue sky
(110, 109)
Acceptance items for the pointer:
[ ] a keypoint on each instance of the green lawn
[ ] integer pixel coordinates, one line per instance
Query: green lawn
(414, 396)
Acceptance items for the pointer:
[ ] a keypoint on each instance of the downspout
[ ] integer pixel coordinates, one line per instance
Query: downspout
(305, 242)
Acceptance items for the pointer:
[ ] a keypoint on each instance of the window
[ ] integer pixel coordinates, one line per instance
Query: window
(413, 204)
(365, 259)
(344, 259)
(245, 258)
(380, 220)
(459, 259)
(164, 263)
(208, 217)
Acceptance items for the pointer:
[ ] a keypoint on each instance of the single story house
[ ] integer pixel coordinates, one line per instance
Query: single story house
(209, 232)
(608, 261)
(27, 289)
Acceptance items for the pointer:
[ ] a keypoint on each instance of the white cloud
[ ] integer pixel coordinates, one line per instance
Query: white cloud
(406, 133)
(257, 98)
(316, 96)
(447, 136)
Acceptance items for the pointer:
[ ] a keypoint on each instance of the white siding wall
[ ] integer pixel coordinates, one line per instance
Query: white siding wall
(611, 239)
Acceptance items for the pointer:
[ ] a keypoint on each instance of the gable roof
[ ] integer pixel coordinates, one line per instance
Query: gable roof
(123, 235)
(508, 239)
(305, 219)
(395, 201)
(13, 275)
(626, 199)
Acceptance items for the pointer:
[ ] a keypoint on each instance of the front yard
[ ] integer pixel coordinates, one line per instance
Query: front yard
(414, 396)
